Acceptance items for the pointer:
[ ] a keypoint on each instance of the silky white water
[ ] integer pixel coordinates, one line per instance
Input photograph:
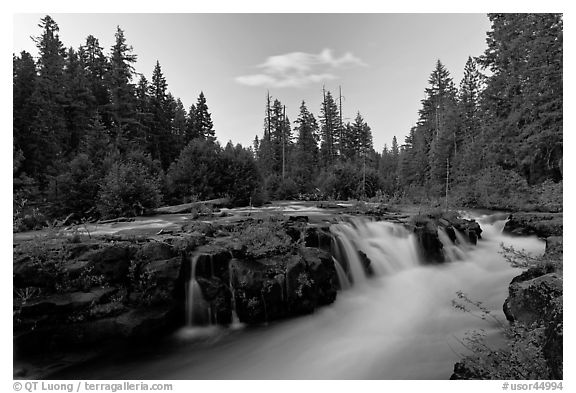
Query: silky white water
(397, 324)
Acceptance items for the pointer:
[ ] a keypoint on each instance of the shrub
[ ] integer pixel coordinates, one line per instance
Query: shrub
(492, 188)
(129, 189)
(265, 237)
(521, 358)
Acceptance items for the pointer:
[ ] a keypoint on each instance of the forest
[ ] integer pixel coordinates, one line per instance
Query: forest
(94, 139)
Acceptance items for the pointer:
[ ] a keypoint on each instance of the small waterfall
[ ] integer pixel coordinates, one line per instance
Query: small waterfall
(342, 277)
(345, 235)
(453, 252)
(235, 319)
(390, 248)
(198, 310)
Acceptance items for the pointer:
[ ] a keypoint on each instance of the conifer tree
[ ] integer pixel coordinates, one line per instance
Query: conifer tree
(306, 154)
(48, 128)
(329, 129)
(203, 126)
(122, 106)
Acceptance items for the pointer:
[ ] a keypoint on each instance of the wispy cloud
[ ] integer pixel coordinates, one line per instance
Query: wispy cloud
(299, 69)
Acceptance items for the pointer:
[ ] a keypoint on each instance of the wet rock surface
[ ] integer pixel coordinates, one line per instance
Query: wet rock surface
(540, 224)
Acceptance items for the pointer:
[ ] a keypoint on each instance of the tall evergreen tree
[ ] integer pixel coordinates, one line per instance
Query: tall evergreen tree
(306, 149)
(122, 106)
(48, 128)
(522, 102)
(329, 129)
(24, 85)
(96, 65)
(80, 104)
(203, 126)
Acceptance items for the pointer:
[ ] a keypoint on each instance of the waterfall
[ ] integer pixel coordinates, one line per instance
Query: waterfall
(390, 248)
(399, 325)
(198, 311)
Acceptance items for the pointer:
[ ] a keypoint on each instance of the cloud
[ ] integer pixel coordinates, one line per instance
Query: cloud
(299, 69)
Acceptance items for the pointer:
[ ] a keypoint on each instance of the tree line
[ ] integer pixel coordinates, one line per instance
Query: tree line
(496, 141)
(93, 138)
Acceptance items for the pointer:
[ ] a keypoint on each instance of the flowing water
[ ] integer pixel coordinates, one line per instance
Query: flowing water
(397, 324)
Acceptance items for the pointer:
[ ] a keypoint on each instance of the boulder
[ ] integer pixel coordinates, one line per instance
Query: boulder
(154, 251)
(553, 346)
(29, 273)
(300, 293)
(530, 298)
(218, 297)
(464, 371)
(540, 224)
(66, 303)
(212, 260)
(429, 245)
(247, 279)
(554, 247)
(323, 274)
(318, 237)
(112, 261)
(146, 323)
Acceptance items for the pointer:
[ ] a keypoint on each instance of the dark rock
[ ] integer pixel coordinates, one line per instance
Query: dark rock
(168, 279)
(219, 300)
(76, 250)
(66, 303)
(247, 281)
(540, 224)
(318, 237)
(188, 242)
(154, 251)
(366, 263)
(554, 247)
(323, 273)
(300, 219)
(530, 300)
(295, 227)
(213, 261)
(430, 246)
(462, 371)
(29, 273)
(111, 261)
(553, 346)
(301, 297)
(145, 323)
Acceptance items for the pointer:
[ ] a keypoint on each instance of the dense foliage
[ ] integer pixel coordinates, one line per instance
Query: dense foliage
(79, 116)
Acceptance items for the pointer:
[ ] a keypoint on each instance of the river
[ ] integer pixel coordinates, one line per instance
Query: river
(398, 324)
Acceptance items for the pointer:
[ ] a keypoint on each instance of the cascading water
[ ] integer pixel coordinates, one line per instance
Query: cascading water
(398, 324)
(197, 309)
(389, 247)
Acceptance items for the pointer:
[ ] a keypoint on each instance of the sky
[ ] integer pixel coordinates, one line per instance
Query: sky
(381, 61)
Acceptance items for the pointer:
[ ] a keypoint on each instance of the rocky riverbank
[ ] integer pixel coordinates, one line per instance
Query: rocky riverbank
(83, 292)
(534, 308)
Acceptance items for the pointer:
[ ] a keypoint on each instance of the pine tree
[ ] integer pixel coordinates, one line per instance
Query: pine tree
(468, 100)
(122, 106)
(24, 85)
(306, 149)
(48, 128)
(179, 125)
(161, 138)
(523, 99)
(144, 114)
(329, 129)
(80, 104)
(96, 65)
(203, 126)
